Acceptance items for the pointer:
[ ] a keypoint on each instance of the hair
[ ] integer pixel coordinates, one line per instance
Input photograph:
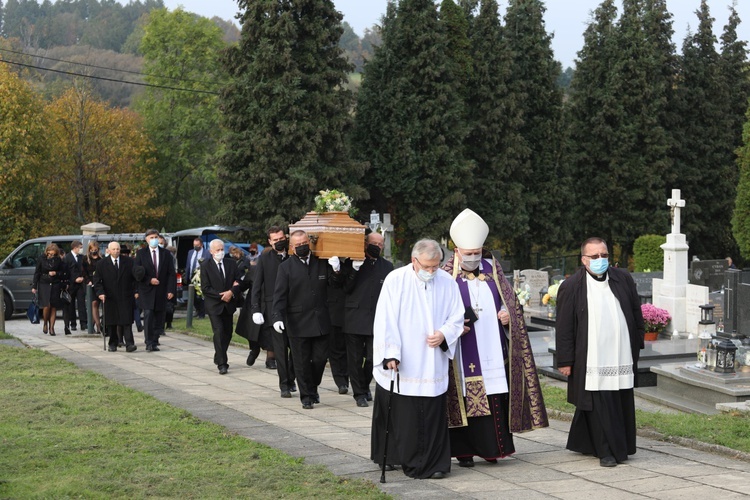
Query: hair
(217, 240)
(430, 248)
(273, 230)
(235, 252)
(198, 238)
(297, 232)
(76, 244)
(149, 232)
(595, 240)
(112, 245)
(52, 247)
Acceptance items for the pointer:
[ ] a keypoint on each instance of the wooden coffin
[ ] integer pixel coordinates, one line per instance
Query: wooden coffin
(333, 234)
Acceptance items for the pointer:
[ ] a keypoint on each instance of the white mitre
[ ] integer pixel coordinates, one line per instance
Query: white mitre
(469, 230)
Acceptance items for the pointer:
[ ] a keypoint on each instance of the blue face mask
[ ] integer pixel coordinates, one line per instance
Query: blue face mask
(153, 242)
(599, 266)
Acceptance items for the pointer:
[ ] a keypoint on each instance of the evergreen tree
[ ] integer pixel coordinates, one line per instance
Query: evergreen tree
(534, 78)
(286, 112)
(494, 143)
(456, 25)
(741, 215)
(409, 125)
(704, 171)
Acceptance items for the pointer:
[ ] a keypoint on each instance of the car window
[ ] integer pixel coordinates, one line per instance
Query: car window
(28, 255)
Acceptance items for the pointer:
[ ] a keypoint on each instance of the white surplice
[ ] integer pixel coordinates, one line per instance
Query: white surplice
(408, 311)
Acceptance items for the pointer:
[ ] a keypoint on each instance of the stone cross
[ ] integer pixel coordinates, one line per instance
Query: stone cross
(675, 204)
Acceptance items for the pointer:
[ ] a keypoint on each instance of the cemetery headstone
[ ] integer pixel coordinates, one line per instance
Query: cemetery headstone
(716, 299)
(743, 309)
(695, 296)
(708, 273)
(731, 288)
(537, 281)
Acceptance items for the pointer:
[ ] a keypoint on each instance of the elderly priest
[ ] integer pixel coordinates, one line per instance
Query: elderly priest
(418, 321)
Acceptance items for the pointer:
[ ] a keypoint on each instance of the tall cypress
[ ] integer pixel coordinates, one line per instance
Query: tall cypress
(534, 78)
(286, 112)
(409, 125)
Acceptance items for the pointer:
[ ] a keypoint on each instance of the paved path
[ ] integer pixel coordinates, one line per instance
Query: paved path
(337, 433)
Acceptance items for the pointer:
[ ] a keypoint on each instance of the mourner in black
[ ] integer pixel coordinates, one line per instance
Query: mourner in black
(300, 308)
(220, 282)
(261, 307)
(114, 285)
(336, 342)
(362, 282)
(76, 286)
(157, 286)
(49, 281)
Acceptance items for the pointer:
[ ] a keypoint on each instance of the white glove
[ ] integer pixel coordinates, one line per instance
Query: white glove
(279, 326)
(258, 318)
(335, 263)
(356, 264)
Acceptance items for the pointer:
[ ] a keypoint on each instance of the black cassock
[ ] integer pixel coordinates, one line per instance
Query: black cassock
(118, 287)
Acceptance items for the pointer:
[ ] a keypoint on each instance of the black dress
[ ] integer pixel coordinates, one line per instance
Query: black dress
(48, 287)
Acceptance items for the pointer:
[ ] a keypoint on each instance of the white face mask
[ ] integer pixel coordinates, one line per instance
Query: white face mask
(219, 255)
(470, 262)
(425, 276)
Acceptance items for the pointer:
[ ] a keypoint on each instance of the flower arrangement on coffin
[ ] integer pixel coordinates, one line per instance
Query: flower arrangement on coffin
(333, 200)
(655, 320)
(524, 295)
(550, 298)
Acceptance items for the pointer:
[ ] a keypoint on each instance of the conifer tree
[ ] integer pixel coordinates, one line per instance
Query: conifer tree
(409, 125)
(741, 215)
(286, 112)
(534, 77)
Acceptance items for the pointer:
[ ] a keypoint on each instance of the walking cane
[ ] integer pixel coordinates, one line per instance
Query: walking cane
(104, 325)
(387, 425)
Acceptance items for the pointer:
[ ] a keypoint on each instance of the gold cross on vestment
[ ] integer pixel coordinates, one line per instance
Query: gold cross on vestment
(472, 366)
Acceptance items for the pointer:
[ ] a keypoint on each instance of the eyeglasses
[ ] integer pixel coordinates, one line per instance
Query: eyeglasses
(598, 256)
(427, 268)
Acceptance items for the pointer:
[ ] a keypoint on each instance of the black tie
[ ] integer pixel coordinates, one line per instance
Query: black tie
(117, 265)
(221, 269)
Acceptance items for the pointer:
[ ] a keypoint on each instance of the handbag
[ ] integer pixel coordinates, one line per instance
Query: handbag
(65, 296)
(33, 312)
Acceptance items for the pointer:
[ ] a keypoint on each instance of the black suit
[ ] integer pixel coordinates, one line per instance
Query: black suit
(337, 342)
(213, 283)
(153, 298)
(118, 287)
(74, 265)
(261, 301)
(300, 301)
(362, 291)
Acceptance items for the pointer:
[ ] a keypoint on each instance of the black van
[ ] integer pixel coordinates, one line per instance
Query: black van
(17, 269)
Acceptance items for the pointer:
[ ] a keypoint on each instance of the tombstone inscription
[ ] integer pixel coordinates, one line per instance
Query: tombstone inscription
(537, 281)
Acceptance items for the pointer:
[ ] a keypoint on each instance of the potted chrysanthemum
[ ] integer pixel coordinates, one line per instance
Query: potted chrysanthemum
(655, 320)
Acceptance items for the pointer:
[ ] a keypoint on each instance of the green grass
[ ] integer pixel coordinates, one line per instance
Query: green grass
(202, 328)
(67, 433)
(5, 336)
(726, 429)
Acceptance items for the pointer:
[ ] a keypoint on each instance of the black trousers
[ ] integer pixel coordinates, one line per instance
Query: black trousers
(310, 356)
(221, 324)
(117, 331)
(337, 356)
(284, 358)
(151, 321)
(77, 305)
(359, 350)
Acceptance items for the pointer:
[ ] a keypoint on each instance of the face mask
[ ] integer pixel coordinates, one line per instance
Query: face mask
(197, 248)
(470, 262)
(302, 251)
(161, 246)
(253, 252)
(281, 246)
(425, 276)
(599, 266)
(153, 242)
(219, 255)
(373, 251)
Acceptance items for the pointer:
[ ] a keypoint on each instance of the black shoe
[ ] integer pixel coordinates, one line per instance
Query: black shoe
(608, 461)
(252, 357)
(343, 389)
(120, 344)
(316, 399)
(307, 406)
(51, 332)
(149, 348)
(112, 349)
(84, 327)
(169, 326)
(67, 330)
(271, 364)
(155, 348)
(362, 403)
(491, 460)
(390, 467)
(286, 394)
(140, 329)
(293, 388)
(466, 462)
(369, 396)
(131, 348)
(438, 475)
(73, 327)
(223, 370)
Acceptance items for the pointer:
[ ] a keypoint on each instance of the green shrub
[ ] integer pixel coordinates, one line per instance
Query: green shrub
(647, 253)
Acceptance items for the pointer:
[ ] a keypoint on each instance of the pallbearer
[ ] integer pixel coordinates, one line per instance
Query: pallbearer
(494, 389)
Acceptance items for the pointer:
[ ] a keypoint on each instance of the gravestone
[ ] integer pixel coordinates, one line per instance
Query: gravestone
(695, 296)
(716, 299)
(644, 283)
(708, 273)
(743, 309)
(537, 281)
(731, 289)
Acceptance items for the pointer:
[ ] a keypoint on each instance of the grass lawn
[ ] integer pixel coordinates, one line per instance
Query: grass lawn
(725, 429)
(70, 433)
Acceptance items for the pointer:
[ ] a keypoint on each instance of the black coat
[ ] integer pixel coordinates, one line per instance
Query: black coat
(362, 291)
(213, 284)
(154, 297)
(264, 284)
(118, 288)
(571, 327)
(300, 299)
(75, 270)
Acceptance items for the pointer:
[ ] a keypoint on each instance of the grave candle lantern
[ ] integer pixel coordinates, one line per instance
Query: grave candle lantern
(725, 353)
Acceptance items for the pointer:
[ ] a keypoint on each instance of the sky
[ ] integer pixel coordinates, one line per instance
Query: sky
(565, 19)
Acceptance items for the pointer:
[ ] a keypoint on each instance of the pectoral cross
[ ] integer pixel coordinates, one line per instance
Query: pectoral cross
(472, 366)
